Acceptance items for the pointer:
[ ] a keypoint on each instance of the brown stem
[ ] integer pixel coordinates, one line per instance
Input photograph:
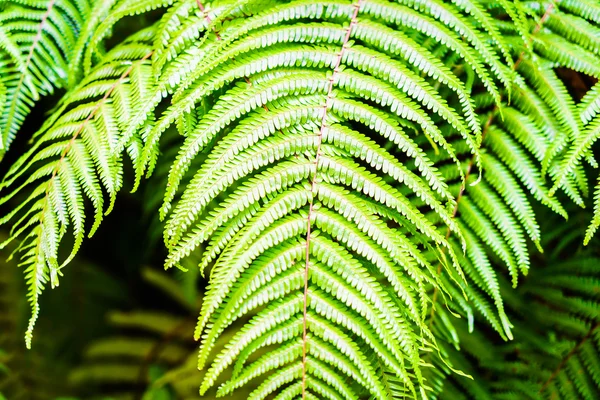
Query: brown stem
(313, 187)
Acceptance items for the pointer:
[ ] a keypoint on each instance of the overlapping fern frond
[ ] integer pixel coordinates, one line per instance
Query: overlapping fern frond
(72, 161)
(320, 226)
(580, 150)
(50, 44)
(350, 173)
(40, 48)
(572, 40)
(556, 321)
(520, 140)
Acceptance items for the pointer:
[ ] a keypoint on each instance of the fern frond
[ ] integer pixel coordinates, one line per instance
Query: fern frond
(573, 32)
(117, 11)
(366, 32)
(73, 160)
(351, 175)
(308, 196)
(38, 46)
(556, 352)
(580, 149)
(515, 138)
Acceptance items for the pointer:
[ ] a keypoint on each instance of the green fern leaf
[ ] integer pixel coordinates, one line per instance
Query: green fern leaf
(306, 197)
(72, 160)
(38, 46)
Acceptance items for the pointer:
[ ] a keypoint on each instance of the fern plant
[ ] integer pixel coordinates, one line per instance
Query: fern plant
(351, 176)
(557, 356)
(42, 44)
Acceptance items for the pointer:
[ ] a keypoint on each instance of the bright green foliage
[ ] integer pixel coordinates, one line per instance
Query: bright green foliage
(306, 202)
(580, 52)
(580, 149)
(73, 159)
(350, 176)
(40, 50)
(521, 140)
(558, 354)
(43, 46)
